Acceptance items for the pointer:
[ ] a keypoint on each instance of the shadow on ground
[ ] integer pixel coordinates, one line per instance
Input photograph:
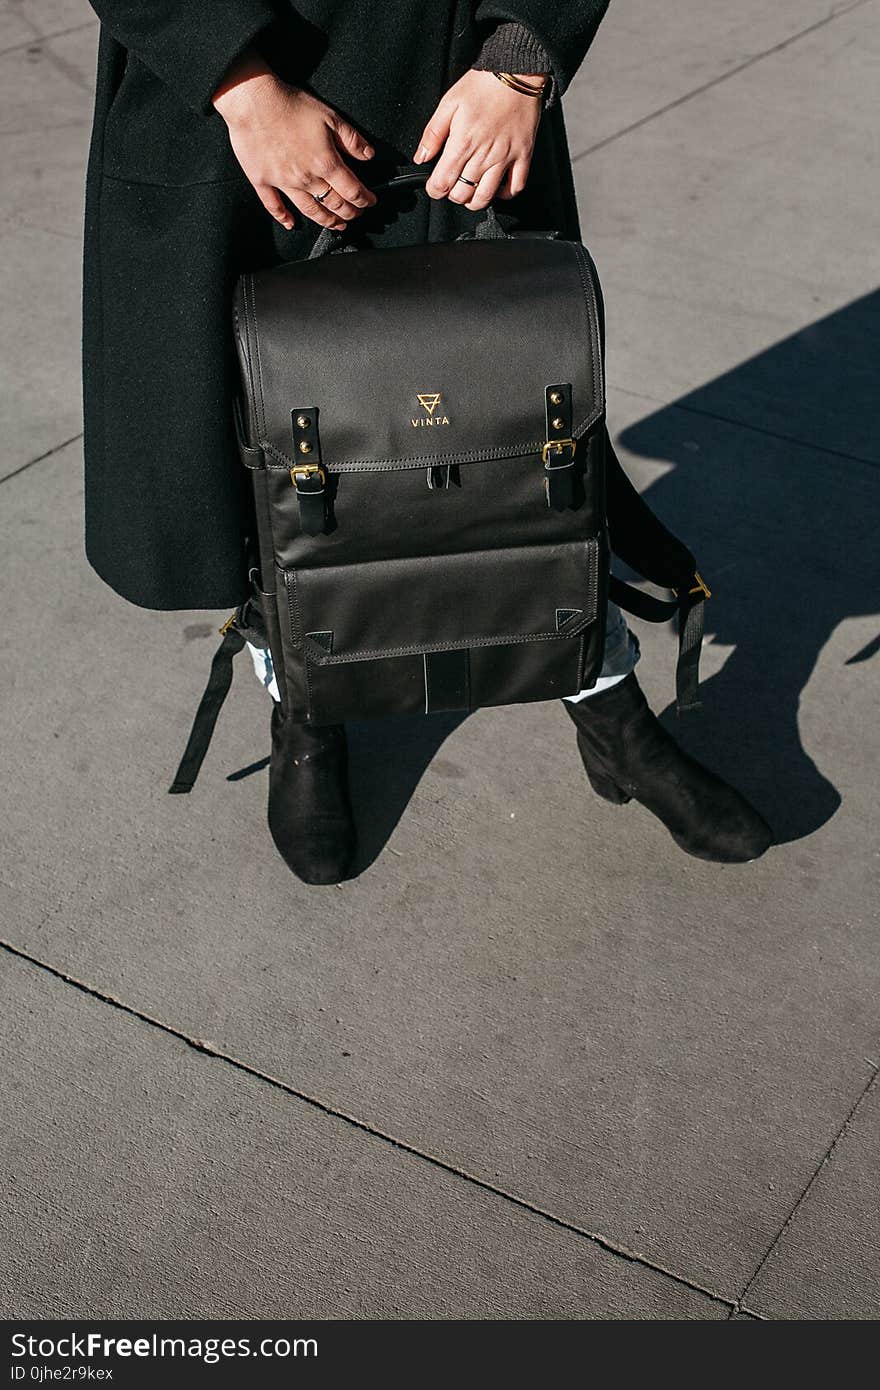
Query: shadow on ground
(388, 758)
(782, 516)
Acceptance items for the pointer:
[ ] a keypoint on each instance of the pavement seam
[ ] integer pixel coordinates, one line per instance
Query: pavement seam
(37, 37)
(56, 448)
(746, 425)
(211, 1050)
(826, 1158)
(716, 81)
(14, 223)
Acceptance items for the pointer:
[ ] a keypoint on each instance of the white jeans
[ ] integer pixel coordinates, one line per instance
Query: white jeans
(621, 655)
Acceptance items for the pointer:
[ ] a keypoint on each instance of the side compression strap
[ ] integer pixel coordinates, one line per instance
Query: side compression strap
(216, 691)
(689, 609)
(245, 625)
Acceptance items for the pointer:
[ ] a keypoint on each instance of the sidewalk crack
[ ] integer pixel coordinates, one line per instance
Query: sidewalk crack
(826, 1158)
(56, 449)
(737, 423)
(716, 81)
(211, 1049)
(38, 37)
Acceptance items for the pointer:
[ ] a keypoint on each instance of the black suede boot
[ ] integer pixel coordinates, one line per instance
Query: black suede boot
(628, 755)
(310, 814)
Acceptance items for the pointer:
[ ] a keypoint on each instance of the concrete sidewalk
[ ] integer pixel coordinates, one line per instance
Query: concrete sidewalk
(533, 1062)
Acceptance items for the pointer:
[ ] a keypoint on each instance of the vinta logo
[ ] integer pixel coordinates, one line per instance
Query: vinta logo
(429, 401)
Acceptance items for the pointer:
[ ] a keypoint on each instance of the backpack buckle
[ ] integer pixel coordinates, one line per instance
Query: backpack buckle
(558, 488)
(556, 446)
(301, 473)
(701, 587)
(308, 479)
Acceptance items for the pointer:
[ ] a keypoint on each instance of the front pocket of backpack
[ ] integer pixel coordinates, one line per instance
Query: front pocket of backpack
(372, 638)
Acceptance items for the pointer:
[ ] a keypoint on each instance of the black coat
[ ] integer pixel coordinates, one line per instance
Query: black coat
(171, 221)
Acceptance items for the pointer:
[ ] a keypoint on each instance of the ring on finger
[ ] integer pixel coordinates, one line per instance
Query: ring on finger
(319, 197)
(487, 187)
(471, 183)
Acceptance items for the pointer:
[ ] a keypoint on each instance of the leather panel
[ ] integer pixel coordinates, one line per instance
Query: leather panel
(443, 603)
(452, 346)
(501, 501)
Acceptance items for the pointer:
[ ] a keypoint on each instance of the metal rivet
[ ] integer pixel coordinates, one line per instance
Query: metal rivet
(305, 447)
(303, 421)
(558, 422)
(556, 398)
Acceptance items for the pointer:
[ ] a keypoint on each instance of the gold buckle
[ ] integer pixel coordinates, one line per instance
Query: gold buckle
(701, 587)
(557, 446)
(307, 470)
(227, 625)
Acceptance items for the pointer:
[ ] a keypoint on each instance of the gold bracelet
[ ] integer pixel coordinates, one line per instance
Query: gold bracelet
(518, 85)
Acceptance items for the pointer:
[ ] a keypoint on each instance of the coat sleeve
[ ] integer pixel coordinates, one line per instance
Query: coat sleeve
(564, 28)
(187, 45)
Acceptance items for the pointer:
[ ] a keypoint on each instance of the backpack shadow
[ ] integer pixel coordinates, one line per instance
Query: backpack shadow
(775, 488)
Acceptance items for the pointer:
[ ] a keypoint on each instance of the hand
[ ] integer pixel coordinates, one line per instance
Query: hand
(289, 142)
(486, 131)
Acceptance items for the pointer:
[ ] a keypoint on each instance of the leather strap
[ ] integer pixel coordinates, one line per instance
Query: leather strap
(688, 608)
(247, 624)
(690, 642)
(219, 681)
(251, 457)
(307, 474)
(447, 680)
(639, 538)
(444, 475)
(559, 450)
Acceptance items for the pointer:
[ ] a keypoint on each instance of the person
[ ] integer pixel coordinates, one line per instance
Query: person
(225, 136)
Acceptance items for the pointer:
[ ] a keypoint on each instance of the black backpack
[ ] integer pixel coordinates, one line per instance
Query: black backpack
(435, 492)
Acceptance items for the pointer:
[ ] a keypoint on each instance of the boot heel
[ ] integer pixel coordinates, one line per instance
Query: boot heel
(608, 789)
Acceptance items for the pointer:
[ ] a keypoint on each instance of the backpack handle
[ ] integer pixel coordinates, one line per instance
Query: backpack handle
(329, 240)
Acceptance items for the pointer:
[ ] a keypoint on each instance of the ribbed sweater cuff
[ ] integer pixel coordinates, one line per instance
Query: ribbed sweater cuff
(514, 48)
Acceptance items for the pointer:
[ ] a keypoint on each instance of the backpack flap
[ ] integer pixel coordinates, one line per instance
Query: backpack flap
(429, 355)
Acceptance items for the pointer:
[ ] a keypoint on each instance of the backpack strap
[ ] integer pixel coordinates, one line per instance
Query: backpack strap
(640, 539)
(244, 625)
(688, 608)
